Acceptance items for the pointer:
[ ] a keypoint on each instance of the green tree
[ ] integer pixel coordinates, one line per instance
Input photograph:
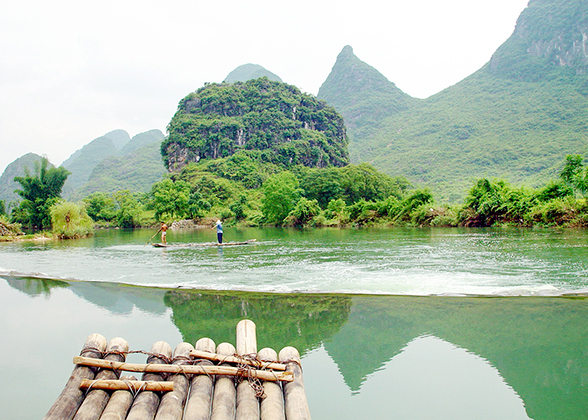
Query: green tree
(575, 174)
(303, 212)
(100, 206)
(171, 198)
(280, 194)
(39, 193)
(197, 205)
(2, 208)
(322, 185)
(239, 206)
(364, 182)
(128, 209)
(70, 220)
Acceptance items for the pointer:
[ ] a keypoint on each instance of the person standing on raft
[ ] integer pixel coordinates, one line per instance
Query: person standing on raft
(219, 231)
(163, 230)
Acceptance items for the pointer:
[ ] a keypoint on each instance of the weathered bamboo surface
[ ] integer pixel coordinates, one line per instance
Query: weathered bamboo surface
(67, 404)
(96, 399)
(247, 398)
(146, 403)
(185, 369)
(224, 403)
(294, 395)
(132, 386)
(201, 382)
(272, 406)
(230, 358)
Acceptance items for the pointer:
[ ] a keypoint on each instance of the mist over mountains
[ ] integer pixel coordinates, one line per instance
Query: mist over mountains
(516, 118)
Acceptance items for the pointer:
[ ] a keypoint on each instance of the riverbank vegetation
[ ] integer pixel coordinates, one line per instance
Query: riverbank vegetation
(245, 192)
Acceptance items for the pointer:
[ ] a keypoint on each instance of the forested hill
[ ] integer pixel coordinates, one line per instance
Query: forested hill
(270, 120)
(516, 118)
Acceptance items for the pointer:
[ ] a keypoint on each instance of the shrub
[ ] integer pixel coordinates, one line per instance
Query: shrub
(303, 212)
(70, 220)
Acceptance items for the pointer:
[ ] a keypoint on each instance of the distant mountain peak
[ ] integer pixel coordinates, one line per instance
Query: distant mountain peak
(355, 89)
(250, 72)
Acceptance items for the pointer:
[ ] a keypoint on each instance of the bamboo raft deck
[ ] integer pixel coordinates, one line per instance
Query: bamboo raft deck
(204, 382)
(203, 244)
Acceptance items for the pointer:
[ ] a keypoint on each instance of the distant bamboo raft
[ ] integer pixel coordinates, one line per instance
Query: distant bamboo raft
(203, 244)
(204, 381)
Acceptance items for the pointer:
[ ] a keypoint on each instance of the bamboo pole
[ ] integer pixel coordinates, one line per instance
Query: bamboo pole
(96, 399)
(71, 397)
(134, 386)
(294, 395)
(120, 401)
(215, 357)
(247, 403)
(224, 402)
(201, 387)
(172, 403)
(186, 369)
(272, 406)
(146, 403)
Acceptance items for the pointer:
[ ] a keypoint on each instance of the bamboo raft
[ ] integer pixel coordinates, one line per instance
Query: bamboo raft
(203, 244)
(195, 382)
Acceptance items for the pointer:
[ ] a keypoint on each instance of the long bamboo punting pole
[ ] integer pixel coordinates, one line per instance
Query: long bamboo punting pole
(272, 406)
(247, 403)
(97, 399)
(172, 403)
(120, 402)
(265, 375)
(294, 395)
(71, 397)
(146, 403)
(201, 387)
(224, 402)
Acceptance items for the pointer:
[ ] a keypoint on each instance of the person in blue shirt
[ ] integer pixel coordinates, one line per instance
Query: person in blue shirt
(219, 231)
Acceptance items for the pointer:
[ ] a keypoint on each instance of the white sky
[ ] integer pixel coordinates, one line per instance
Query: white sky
(71, 71)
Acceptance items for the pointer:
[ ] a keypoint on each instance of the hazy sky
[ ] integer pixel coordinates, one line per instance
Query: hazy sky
(72, 71)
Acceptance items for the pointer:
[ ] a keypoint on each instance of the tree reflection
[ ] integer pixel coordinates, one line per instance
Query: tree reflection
(299, 320)
(34, 286)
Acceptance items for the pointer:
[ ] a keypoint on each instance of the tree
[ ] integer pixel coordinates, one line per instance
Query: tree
(281, 193)
(129, 209)
(39, 193)
(303, 212)
(322, 185)
(100, 206)
(575, 174)
(170, 198)
(364, 182)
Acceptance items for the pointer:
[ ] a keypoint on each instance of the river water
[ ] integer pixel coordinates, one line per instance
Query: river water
(391, 323)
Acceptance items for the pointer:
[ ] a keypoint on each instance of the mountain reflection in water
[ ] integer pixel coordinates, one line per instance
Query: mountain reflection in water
(382, 356)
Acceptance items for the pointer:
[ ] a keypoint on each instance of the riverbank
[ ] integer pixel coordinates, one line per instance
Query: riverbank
(43, 236)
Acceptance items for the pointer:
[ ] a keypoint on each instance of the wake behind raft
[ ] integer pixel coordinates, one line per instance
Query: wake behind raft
(194, 245)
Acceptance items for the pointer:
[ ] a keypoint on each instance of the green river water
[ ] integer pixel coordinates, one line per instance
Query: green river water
(391, 323)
